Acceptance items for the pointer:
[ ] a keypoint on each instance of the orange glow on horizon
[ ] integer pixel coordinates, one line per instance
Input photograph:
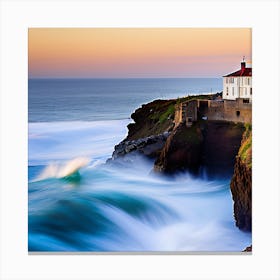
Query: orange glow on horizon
(136, 52)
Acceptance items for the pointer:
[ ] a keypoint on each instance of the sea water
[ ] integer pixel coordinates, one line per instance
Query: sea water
(73, 127)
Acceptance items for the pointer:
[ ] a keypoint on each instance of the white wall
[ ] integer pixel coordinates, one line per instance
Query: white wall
(245, 85)
(234, 87)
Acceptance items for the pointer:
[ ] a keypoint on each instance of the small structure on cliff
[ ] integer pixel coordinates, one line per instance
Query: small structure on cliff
(238, 84)
(235, 105)
(214, 110)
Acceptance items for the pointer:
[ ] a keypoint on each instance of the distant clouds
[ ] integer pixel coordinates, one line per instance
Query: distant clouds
(136, 52)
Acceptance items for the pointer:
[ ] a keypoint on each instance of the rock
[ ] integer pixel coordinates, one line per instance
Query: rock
(241, 189)
(181, 151)
(221, 142)
(248, 249)
(210, 146)
(241, 183)
(151, 119)
(149, 146)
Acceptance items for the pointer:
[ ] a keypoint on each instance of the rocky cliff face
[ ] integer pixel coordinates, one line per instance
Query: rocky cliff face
(182, 150)
(149, 146)
(210, 146)
(152, 125)
(152, 119)
(241, 183)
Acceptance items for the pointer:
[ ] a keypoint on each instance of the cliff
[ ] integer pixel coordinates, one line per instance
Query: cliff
(153, 123)
(157, 117)
(151, 119)
(182, 150)
(149, 146)
(241, 183)
(208, 146)
(217, 148)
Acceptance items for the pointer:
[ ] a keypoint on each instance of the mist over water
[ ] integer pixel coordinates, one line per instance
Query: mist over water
(78, 203)
(122, 206)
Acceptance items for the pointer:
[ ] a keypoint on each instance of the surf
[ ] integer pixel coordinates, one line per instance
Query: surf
(68, 170)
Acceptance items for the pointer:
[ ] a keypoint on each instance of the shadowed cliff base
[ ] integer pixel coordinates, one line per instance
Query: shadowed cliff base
(207, 147)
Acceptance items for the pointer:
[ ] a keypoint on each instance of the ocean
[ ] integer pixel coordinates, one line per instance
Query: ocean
(74, 125)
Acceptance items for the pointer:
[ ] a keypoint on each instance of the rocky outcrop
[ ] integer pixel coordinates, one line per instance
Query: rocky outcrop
(241, 184)
(151, 119)
(149, 146)
(210, 146)
(182, 151)
(153, 123)
(248, 249)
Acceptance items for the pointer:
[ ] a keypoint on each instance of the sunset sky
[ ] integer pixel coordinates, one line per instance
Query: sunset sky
(136, 52)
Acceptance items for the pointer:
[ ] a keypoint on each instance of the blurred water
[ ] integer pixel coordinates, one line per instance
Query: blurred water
(119, 207)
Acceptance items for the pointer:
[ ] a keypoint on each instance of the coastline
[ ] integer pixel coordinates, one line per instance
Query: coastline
(190, 142)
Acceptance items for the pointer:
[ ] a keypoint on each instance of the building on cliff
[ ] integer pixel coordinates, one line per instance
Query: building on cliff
(238, 84)
(235, 105)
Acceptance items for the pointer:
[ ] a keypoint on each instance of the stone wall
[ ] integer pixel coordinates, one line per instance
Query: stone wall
(227, 110)
(178, 114)
(191, 112)
(213, 110)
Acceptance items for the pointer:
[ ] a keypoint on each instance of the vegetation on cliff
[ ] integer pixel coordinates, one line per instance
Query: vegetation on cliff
(211, 145)
(181, 151)
(157, 117)
(241, 182)
(245, 151)
(153, 118)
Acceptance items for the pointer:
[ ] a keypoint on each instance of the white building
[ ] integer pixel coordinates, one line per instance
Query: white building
(238, 84)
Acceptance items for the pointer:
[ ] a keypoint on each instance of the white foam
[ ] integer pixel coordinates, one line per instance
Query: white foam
(55, 170)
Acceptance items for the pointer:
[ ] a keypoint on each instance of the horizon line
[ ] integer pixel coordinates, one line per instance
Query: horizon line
(117, 78)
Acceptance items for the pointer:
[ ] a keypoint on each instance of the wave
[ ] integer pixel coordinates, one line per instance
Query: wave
(61, 141)
(109, 214)
(70, 168)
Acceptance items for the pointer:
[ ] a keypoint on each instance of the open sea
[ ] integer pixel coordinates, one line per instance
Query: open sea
(77, 203)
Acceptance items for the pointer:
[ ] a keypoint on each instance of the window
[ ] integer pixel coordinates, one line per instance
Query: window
(227, 90)
(237, 113)
(248, 80)
(251, 91)
(233, 91)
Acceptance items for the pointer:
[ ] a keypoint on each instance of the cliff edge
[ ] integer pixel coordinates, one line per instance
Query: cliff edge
(207, 147)
(241, 183)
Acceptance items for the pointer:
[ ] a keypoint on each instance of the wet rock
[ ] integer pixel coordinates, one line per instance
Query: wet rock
(241, 189)
(210, 146)
(248, 249)
(149, 146)
(181, 151)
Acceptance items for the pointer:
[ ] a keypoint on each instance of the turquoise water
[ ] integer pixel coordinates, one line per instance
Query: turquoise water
(78, 203)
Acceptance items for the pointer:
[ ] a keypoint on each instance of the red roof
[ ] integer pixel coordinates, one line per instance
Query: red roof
(242, 72)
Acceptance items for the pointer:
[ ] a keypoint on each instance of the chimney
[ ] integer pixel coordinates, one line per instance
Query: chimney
(243, 65)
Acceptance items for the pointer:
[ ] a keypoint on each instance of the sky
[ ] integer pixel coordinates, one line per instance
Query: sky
(136, 52)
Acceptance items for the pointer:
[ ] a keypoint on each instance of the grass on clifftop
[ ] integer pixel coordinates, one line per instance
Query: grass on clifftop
(157, 116)
(245, 151)
(168, 114)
